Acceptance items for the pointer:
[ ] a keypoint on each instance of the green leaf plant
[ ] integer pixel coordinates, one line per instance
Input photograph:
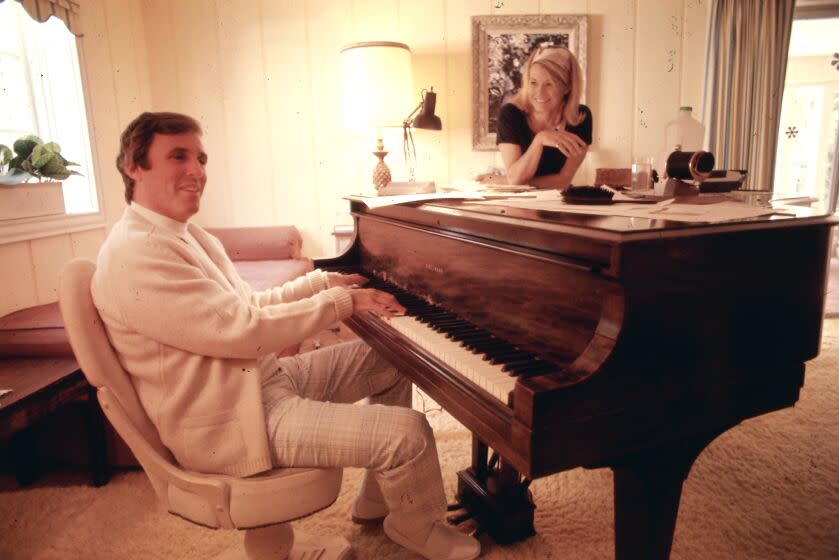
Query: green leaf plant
(32, 158)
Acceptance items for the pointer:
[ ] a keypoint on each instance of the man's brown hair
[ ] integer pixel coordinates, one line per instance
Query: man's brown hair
(137, 137)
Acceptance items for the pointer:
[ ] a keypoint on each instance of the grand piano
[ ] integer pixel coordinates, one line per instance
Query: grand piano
(563, 340)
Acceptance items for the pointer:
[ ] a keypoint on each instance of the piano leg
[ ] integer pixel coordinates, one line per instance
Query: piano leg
(496, 497)
(648, 487)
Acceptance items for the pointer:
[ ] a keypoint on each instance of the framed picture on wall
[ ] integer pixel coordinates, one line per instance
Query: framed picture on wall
(500, 47)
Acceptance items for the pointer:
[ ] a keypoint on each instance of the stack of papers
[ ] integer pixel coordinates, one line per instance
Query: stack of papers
(477, 186)
(379, 201)
(666, 210)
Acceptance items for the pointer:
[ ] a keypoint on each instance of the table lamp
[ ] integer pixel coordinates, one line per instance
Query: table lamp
(376, 86)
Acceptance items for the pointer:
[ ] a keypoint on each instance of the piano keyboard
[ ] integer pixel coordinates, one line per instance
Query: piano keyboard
(487, 376)
(485, 359)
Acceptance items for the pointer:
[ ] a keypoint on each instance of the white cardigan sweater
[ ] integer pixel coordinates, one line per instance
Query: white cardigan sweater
(196, 341)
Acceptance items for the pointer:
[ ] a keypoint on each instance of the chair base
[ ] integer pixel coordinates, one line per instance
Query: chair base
(281, 542)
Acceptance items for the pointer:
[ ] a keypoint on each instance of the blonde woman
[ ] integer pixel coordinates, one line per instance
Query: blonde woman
(544, 132)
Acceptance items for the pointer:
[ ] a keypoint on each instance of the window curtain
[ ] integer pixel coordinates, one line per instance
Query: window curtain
(65, 10)
(746, 66)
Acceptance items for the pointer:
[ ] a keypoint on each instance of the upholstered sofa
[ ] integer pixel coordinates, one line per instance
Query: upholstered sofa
(264, 256)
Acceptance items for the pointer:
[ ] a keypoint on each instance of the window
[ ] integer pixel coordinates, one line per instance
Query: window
(41, 93)
(807, 129)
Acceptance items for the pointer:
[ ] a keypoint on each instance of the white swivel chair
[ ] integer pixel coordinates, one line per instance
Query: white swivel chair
(262, 505)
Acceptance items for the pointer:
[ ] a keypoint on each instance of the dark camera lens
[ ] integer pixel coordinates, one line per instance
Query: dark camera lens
(690, 165)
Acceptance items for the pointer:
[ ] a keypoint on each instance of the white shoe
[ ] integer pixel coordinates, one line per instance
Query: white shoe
(366, 511)
(443, 543)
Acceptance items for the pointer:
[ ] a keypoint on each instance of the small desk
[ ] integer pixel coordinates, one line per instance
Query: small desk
(39, 387)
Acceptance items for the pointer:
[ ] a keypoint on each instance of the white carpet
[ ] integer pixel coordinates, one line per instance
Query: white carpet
(767, 489)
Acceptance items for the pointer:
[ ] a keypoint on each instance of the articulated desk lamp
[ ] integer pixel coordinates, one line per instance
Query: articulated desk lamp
(426, 120)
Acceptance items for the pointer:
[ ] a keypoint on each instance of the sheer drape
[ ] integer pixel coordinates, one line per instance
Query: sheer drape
(746, 66)
(65, 10)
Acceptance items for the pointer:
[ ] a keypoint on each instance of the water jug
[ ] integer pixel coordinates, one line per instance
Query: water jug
(684, 131)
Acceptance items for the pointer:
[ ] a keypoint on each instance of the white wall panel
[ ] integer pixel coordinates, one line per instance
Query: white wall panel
(48, 256)
(464, 163)
(17, 276)
(610, 85)
(340, 163)
(249, 151)
(695, 45)
(289, 110)
(109, 63)
(197, 55)
(86, 244)
(422, 27)
(658, 60)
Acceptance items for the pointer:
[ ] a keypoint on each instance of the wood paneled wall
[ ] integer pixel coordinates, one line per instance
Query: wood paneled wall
(263, 76)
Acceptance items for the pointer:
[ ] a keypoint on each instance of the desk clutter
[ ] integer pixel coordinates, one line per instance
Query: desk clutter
(684, 173)
(692, 209)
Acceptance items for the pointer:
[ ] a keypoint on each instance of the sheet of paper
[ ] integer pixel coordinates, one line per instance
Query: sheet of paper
(666, 210)
(477, 186)
(379, 201)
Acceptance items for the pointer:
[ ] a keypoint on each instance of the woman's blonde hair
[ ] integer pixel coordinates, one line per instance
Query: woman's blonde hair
(563, 67)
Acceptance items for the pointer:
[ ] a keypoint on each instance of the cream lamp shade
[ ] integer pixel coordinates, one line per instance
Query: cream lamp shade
(377, 85)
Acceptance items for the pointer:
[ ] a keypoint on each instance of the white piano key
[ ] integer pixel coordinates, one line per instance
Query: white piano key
(472, 366)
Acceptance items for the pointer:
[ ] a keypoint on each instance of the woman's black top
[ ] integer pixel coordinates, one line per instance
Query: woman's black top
(513, 129)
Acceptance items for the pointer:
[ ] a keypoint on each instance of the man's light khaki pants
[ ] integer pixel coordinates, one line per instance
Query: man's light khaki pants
(313, 423)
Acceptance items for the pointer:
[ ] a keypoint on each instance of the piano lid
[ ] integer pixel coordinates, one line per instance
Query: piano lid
(604, 222)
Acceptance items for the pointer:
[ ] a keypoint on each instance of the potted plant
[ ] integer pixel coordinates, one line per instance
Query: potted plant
(32, 158)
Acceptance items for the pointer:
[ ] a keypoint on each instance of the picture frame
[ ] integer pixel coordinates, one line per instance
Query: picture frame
(500, 47)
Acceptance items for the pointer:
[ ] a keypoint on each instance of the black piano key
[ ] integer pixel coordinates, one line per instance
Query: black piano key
(457, 332)
(533, 367)
(475, 337)
(453, 324)
(515, 365)
(494, 346)
(510, 356)
(481, 342)
(461, 332)
(438, 314)
(538, 369)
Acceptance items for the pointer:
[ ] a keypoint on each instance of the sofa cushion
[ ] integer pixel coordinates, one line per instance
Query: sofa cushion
(262, 275)
(260, 243)
(34, 331)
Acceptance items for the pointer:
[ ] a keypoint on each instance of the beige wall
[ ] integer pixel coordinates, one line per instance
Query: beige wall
(264, 79)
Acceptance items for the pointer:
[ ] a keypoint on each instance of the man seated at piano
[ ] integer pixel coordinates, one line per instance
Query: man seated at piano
(544, 132)
(200, 347)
